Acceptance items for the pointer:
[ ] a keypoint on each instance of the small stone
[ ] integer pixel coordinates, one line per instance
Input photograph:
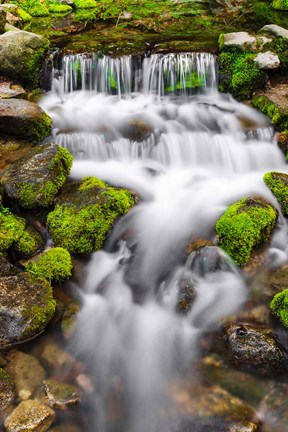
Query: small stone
(241, 40)
(54, 357)
(275, 30)
(61, 395)
(30, 416)
(267, 60)
(7, 393)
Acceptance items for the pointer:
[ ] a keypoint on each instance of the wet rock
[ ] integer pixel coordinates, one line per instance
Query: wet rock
(26, 307)
(69, 318)
(6, 268)
(282, 141)
(265, 285)
(278, 184)
(208, 259)
(30, 416)
(259, 314)
(240, 40)
(136, 130)
(274, 103)
(54, 265)
(27, 373)
(244, 226)
(274, 408)
(7, 393)
(2, 20)
(9, 89)
(22, 55)
(23, 119)
(35, 178)
(55, 358)
(11, 150)
(255, 349)
(61, 396)
(84, 213)
(275, 30)
(267, 60)
(187, 291)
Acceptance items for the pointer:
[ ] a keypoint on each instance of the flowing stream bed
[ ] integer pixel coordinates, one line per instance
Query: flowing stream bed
(157, 126)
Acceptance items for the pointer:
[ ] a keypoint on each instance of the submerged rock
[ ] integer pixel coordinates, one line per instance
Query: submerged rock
(278, 184)
(244, 226)
(23, 119)
(274, 408)
(22, 55)
(35, 179)
(61, 396)
(274, 104)
(84, 213)
(255, 349)
(27, 373)
(26, 307)
(7, 393)
(55, 358)
(30, 416)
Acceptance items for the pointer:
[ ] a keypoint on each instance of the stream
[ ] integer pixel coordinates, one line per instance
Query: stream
(158, 127)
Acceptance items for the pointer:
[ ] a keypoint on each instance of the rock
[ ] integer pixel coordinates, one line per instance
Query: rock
(275, 30)
(278, 184)
(23, 119)
(266, 284)
(9, 90)
(84, 213)
(30, 416)
(7, 393)
(11, 150)
(2, 20)
(282, 141)
(27, 373)
(255, 349)
(22, 55)
(53, 265)
(209, 259)
(240, 40)
(274, 103)
(6, 268)
(69, 319)
(55, 358)
(26, 307)
(35, 178)
(244, 226)
(61, 396)
(274, 408)
(187, 291)
(279, 306)
(267, 60)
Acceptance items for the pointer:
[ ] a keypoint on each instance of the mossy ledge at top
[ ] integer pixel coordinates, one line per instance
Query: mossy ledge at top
(244, 226)
(84, 213)
(35, 178)
(278, 184)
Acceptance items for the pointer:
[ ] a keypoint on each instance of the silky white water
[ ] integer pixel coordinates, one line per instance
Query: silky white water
(159, 128)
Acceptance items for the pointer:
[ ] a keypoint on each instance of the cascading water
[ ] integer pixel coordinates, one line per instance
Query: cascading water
(161, 129)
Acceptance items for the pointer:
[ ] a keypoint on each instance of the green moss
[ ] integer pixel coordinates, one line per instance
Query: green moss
(278, 183)
(245, 225)
(27, 195)
(25, 17)
(53, 265)
(279, 118)
(280, 5)
(85, 4)
(239, 74)
(279, 46)
(83, 228)
(31, 78)
(11, 228)
(59, 8)
(221, 41)
(34, 8)
(279, 306)
(29, 242)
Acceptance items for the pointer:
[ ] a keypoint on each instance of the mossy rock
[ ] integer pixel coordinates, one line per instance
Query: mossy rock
(54, 265)
(61, 395)
(26, 307)
(6, 268)
(30, 416)
(239, 74)
(59, 8)
(7, 393)
(244, 226)
(278, 184)
(15, 232)
(280, 5)
(35, 8)
(272, 106)
(279, 306)
(85, 4)
(84, 213)
(35, 179)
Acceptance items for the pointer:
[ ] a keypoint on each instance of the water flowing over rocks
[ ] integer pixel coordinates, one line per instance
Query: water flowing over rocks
(35, 179)
(26, 307)
(23, 119)
(30, 416)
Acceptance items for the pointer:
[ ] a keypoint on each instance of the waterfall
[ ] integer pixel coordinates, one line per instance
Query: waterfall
(159, 127)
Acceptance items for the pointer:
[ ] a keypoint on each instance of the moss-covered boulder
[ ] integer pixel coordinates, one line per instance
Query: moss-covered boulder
(35, 179)
(278, 183)
(84, 4)
(280, 5)
(30, 416)
(16, 232)
(60, 395)
(59, 8)
(54, 265)
(84, 213)
(26, 307)
(35, 8)
(244, 226)
(279, 306)
(22, 55)
(24, 119)
(7, 393)
(274, 104)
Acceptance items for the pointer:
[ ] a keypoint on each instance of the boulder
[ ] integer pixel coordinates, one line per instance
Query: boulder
(53, 265)
(27, 373)
(35, 179)
(279, 306)
(274, 103)
(26, 307)
(278, 184)
(55, 358)
(84, 213)
(30, 416)
(244, 226)
(241, 40)
(22, 55)
(9, 89)
(7, 393)
(255, 349)
(23, 119)
(267, 60)
(59, 395)
(275, 30)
